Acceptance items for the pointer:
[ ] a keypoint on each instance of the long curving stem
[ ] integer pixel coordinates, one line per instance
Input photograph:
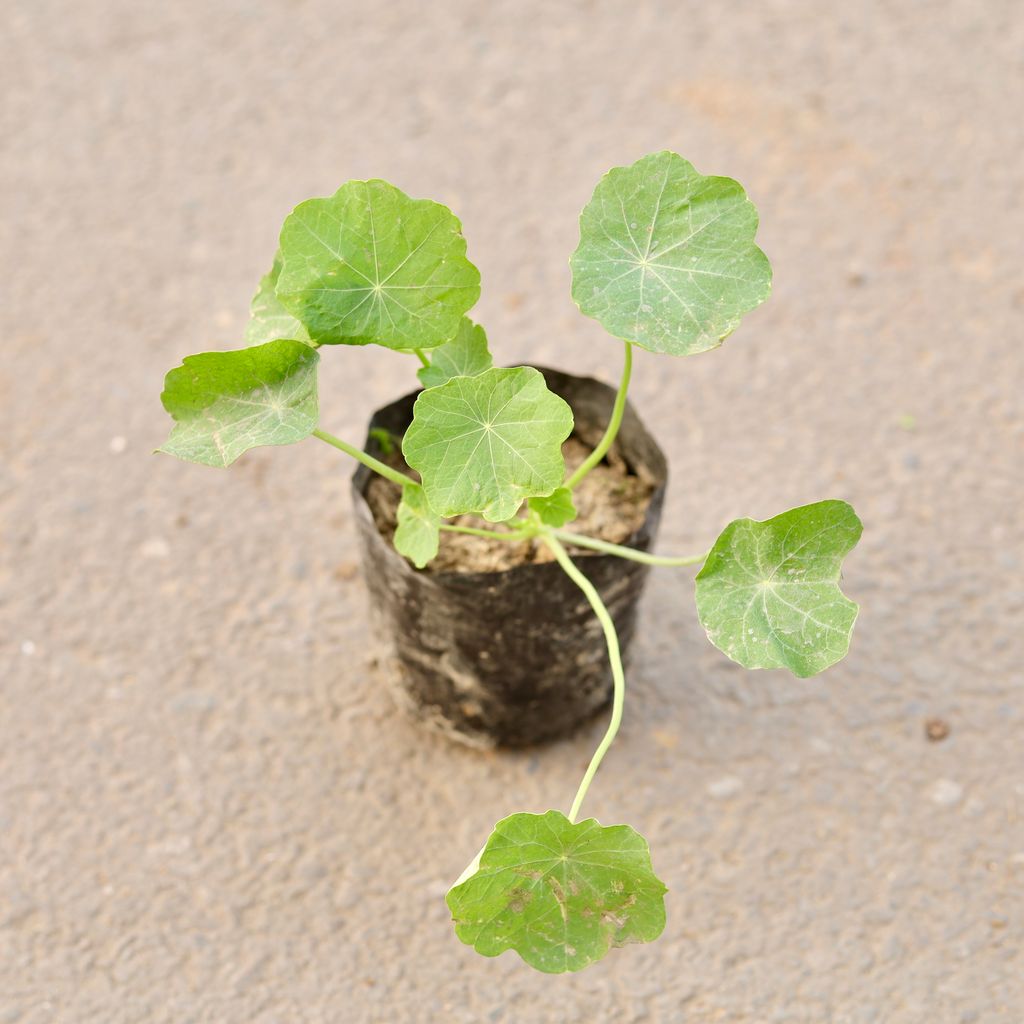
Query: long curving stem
(580, 541)
(614, 656)
(367, 460)
(613, 424)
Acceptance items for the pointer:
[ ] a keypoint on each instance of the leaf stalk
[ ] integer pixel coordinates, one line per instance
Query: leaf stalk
(612, 430)
(614, 656)
(580, 541)
(367, 460)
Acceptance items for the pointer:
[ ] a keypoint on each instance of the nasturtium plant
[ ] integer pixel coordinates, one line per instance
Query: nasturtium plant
(666, 262)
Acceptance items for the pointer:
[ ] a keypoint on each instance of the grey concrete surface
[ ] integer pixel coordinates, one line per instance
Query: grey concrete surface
(210, 811)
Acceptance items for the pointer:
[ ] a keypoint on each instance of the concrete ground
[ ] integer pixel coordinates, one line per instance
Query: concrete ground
(210, 810)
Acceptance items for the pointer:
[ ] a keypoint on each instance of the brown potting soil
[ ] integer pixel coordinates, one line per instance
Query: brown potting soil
(611, 502)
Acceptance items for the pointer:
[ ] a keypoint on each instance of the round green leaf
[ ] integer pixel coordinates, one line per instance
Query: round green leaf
(482, 444)
(667, 257)
(369, 264)
(418, 533)
(561, 895)
(225, 403)
(556, 509)
(465, 355)
(268, 319)
(768, 594)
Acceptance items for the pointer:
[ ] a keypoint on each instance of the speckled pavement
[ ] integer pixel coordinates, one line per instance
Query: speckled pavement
(210, 811)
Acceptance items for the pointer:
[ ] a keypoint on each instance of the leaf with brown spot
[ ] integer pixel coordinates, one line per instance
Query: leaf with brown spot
(560, 894)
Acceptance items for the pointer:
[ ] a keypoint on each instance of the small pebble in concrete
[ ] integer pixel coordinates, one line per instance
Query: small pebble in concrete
(118, 444)
(155, 547)
(936, 729)
(725, 787)
(665, 738)
(946, 792)
(28, 648)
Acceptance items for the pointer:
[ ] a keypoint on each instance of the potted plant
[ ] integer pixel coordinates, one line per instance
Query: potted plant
(497, 630)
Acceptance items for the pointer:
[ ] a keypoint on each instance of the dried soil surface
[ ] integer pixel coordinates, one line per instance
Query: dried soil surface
(611, 502)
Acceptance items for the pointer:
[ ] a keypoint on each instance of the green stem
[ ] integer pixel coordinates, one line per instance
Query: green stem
(367, 460)
(423, 359)
(579, 541)
(473, 531)
(613, 424)
(618, 676)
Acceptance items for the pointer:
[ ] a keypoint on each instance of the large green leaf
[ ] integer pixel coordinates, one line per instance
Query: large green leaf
(268, 319)
(768, 594)
(482, 444)
(417, 535)
(371, 264)
(465, 355)
(667, 257)
(225, 403)
(561, 895)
